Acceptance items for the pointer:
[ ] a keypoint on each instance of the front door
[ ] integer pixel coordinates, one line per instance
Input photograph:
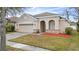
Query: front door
(42, 26)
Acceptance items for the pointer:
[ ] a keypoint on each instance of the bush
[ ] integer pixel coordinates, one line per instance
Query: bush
(37, 31)
(69, 30)
(78, 26)
(10, 28)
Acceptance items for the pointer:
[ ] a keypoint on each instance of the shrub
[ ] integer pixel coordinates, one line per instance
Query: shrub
(78, 26)
(69, 30)
(37, 31)
(10, 28)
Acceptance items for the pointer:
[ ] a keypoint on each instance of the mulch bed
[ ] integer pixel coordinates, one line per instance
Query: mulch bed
(59, 35)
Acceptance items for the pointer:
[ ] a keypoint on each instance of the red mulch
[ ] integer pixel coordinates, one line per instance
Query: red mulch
(60, 35)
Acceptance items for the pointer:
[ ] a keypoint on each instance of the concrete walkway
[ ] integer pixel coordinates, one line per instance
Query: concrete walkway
(25, 47)
(19, 45)
(15, 35)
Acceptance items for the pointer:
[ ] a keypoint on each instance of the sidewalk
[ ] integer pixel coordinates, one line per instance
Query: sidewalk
(25, 47)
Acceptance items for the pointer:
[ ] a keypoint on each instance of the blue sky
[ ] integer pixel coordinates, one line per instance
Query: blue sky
(56, 10)
(37, 10)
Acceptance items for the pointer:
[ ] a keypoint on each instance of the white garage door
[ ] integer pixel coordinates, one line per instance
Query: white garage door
(26, 27)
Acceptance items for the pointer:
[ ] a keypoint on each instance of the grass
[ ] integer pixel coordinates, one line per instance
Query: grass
(9, 32)
(51, 43)
(9, 48)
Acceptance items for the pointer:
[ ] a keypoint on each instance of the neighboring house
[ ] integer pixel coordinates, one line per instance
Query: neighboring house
(73, 25)
(44, 22)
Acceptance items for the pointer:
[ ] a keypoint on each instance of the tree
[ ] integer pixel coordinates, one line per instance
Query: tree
(6, 11)
(78, 26)
(3, 37)
(67, 13)
(76, 16)
(74, 12)
(77, 10)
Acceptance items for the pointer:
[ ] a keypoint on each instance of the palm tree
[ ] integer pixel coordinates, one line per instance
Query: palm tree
(6, 11)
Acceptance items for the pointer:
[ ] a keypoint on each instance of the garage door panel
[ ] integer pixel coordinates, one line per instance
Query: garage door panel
(26, 27)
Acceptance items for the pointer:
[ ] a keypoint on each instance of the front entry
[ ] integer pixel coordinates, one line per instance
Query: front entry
(42, 26)
(51, 25)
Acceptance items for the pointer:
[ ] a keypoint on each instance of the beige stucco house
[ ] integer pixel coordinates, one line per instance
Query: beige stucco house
(44, 22)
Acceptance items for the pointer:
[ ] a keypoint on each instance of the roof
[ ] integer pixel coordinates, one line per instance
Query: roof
(45, 14)
(25, 14)
(35, 16)
(12, 19)
(26, 23)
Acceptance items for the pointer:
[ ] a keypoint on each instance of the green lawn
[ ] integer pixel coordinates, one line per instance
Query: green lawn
(9, 32)
(9, 48)
(51, 43)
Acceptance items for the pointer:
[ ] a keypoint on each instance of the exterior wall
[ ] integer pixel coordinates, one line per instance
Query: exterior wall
(63, 25)
(26, 19)
(16, 27)
(20, 29)
(46, 20)
(74, 27)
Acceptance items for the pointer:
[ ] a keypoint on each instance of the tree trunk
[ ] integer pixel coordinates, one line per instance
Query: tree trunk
(67, 14)
(3, 35)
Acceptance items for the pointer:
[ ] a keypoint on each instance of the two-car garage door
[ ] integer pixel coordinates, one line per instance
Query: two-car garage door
(26, 27)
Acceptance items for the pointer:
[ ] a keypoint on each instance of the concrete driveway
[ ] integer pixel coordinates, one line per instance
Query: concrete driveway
(15, 35)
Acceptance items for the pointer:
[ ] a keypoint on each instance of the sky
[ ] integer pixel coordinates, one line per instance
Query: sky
(56, 10)
(37, 10)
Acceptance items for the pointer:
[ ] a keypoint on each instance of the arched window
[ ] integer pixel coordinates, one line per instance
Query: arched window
(51, 25)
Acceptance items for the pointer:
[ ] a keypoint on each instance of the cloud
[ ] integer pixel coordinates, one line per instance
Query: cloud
(37, 10)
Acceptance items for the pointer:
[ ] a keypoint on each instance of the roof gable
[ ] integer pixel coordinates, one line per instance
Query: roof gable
(26, 18)
(44, 14)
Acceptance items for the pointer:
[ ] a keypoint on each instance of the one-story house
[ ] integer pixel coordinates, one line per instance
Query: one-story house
(43, 22)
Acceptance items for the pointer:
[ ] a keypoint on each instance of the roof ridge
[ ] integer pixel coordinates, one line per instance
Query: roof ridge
(45, 13)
